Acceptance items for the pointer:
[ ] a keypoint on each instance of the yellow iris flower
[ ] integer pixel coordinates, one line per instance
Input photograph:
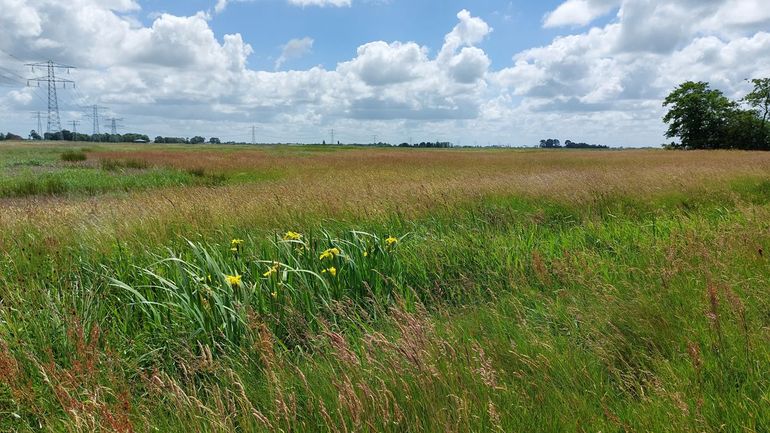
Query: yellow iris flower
(292, 236)
(332, 271)
(233, 280)
(390, 241)
(329, 254)
(271, 271)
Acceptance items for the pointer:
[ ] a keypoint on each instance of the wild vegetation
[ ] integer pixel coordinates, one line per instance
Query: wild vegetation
(703, 118)
(337, 289)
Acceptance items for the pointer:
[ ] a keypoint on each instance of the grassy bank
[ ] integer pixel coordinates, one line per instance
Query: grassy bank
(444, 306)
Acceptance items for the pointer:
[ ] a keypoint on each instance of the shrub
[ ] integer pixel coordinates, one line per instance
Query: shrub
(197, 172)
(73, 156)
(114, 164)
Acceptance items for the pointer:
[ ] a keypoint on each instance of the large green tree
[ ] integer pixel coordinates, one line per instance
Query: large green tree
(698, 115)
(759, 100)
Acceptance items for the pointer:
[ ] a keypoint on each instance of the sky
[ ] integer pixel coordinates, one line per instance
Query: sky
(472, 72)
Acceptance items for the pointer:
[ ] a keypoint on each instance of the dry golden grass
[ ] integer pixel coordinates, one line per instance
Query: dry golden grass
(370, 183)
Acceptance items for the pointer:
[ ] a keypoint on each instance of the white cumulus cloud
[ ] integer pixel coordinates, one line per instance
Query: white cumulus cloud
(294, 49)
(176, 76)
(579, 12)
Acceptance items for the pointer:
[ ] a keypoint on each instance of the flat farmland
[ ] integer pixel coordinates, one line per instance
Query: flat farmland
(341, 289)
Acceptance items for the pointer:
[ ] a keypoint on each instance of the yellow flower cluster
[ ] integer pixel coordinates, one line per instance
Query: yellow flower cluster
(390, 241)
(332, 271)
(235, 245)
(233, 280)
(329, 254)
(272, 270)
(292, 236)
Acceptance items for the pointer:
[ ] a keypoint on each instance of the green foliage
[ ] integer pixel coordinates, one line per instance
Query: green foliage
(171, 140)
(744, 131)
(759, 100)
(88, 181)
(187, 298)
(703, 118)
(483, 319)
(698, 115)
(73, 156)
(115, 164)
(637, 312)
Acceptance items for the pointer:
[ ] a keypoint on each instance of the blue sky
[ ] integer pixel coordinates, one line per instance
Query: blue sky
(473, 71)
(337, 31)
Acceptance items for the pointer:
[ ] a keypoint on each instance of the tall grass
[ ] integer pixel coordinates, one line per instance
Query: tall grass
(497, 312)
(73, 156)
(208, 294)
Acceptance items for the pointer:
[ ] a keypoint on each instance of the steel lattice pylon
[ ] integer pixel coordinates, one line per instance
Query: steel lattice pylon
(54, 121)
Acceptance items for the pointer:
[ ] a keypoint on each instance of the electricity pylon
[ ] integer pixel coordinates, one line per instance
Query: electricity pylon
(54, 122)
(114, 124)
(39, 116)
(94, 115)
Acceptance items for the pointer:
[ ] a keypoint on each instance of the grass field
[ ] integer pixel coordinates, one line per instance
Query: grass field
(320, 289)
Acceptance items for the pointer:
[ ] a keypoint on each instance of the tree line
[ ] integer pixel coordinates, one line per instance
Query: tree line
(704, 118)
(555, 143)
(9, 136)
(426, 144)
(65, 135)
(181, 140)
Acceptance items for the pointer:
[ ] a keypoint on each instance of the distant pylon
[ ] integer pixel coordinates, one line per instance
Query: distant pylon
(74, 124)
(39, 116)
(54, 122)
(114, 124)
(94, 115)
(253, 135)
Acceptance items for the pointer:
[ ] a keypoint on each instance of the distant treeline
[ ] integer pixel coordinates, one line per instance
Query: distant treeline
(704, 118)
(553, 143)
(180, 140)
(428, 144)
(66, 135)
(422, 144)
(9, 136)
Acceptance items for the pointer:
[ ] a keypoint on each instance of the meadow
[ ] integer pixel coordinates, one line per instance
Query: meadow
(331, 289)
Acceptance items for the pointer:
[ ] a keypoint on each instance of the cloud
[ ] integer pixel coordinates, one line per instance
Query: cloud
(579, 12)
(635, 60)
(468, 32)
(322, 3)
(221, 5)
(602, 84)
(294, 49)
(380, 63)
(469, 66)
(24, 20)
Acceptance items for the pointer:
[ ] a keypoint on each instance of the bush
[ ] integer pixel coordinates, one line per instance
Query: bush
(73, 156)
(114, 164)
